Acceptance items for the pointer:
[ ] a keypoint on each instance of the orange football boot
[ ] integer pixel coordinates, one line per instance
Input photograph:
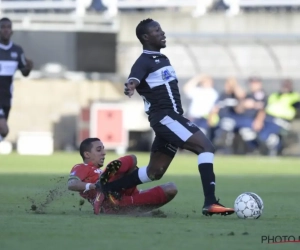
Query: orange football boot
(216, 208)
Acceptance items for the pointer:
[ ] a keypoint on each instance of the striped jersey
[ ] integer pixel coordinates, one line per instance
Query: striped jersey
(11, 59)
(158, 82)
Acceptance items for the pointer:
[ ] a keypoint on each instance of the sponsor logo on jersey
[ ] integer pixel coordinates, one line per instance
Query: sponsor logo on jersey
(98, 171)
(166, 74)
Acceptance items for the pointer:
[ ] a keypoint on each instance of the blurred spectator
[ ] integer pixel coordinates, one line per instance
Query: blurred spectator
(233, 7)
(281, 110)
(202, 7)
(251, 113)
(225, 108)
(203, 96)
(97, 5)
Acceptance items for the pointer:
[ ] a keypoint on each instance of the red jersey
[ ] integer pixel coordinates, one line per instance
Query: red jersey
(90, 174)
(86, 173)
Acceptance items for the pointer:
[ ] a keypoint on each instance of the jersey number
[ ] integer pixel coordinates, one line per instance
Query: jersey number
(146, 104)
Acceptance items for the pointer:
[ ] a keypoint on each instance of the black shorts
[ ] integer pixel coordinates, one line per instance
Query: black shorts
(4, 111)
(171, 131)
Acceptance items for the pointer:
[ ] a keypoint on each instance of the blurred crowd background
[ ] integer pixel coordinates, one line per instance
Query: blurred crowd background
(237, 62)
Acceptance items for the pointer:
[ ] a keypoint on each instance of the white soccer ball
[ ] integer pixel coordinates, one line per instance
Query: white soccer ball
(248, 206)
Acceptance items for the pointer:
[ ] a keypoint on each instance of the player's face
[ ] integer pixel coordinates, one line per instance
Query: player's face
(97, 154)
(5, 31)
(156, 36)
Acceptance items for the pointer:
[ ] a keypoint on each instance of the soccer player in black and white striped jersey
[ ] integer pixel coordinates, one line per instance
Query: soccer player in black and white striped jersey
(154, 78)
(11, 58)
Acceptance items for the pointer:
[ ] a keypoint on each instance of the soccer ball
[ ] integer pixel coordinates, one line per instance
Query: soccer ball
(248, 206)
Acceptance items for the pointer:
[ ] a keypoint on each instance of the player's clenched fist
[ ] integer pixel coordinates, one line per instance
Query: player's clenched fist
(129, 87)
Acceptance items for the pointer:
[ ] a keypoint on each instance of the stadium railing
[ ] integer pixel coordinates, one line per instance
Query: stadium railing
(131, 4)
(236, 5)
(268, 3)
(121, 4)
(6, 5)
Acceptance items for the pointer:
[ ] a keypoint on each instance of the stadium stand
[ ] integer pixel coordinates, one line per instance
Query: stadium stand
(218, 46)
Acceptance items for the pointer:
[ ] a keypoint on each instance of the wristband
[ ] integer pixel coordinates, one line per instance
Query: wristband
(87, 187)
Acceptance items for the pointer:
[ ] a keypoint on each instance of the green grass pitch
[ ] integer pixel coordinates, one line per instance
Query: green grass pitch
(66, 225)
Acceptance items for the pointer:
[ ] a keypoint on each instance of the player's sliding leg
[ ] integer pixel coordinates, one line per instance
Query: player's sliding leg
(202, 146)
(111, 169)
(142, 202)
(159, 163)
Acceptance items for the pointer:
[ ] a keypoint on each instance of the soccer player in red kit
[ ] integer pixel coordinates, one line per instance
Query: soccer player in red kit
(84, 176)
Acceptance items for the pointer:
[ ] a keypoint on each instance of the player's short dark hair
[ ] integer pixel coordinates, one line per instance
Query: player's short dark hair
(142, 28)
(86, 146)
(5, 19)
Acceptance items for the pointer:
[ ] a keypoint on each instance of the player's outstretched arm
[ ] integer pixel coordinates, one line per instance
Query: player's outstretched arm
(78, 185)
(130, 86)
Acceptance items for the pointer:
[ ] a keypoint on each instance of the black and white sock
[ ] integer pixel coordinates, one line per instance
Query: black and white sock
(205, 165)
(133, 179)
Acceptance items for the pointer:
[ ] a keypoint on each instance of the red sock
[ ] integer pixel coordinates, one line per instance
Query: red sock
(153, 196)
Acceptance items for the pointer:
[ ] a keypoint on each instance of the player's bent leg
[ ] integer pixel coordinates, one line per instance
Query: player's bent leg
(162, 154)
(182, 133)
(198, 143)
(110, 170)
(170, 190)
(144, 201)
(158, 165)
(160, 159)
(162, 198)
